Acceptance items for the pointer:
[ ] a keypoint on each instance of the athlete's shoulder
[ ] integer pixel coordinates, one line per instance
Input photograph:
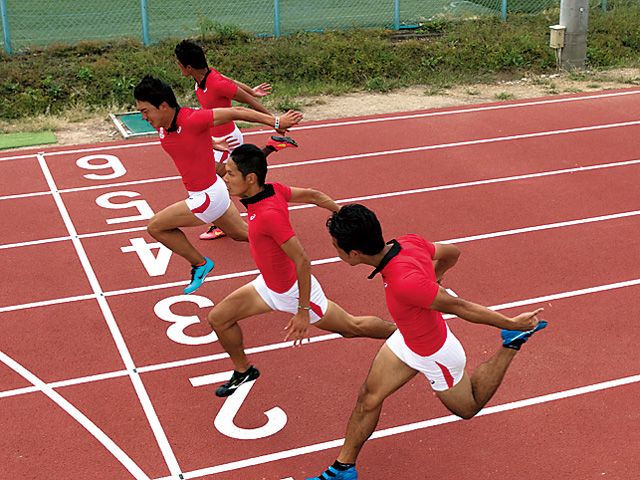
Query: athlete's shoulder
(282, 190)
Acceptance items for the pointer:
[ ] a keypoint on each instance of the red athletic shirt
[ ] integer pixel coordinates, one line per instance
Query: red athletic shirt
(188, 143)
(215, 91)
(269, 228)
(410, 288)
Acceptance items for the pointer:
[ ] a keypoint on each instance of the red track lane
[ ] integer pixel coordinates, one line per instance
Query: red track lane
(88, 333)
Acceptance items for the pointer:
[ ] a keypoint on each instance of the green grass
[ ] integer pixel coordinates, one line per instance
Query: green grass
(99, 76)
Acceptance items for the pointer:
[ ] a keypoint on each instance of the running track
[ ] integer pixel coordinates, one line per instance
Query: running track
(108, 372)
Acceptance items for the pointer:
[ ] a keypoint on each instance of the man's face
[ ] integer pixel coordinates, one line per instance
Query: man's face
(236, 184)
(352, 258)
(186, 71)
(157, 117)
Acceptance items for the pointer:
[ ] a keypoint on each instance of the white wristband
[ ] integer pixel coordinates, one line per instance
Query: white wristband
(277, 125)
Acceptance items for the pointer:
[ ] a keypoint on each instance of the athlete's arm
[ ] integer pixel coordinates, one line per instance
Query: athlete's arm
(243, 97)
(261, 90)
(445, 257)
(298, 327)
(226, 115)
(474, 313)
(313, 197)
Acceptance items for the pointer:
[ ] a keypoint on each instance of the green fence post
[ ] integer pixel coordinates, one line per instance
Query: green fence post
(145, 22)
(396, 14)
(504, 10)
(276, 18)
(604, 5)
(5, 27)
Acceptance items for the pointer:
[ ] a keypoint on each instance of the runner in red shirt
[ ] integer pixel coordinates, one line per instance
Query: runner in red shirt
(214, 90)
(184, 135)
(412, 270)
(285, 282)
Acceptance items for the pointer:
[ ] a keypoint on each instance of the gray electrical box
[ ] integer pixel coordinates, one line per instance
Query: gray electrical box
(557, 36)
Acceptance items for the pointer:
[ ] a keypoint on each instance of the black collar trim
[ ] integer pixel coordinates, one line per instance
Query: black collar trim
(393, 251)
(203, 84)
(174, 125)
(268, 191)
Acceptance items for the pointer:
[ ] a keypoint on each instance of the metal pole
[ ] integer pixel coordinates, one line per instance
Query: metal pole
(604, 5)
(5, 26)
(574, 14)
(145, 22)
(396, 14)
(276, 18)
(504, 10)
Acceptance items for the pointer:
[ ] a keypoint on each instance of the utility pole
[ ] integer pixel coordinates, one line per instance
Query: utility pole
(574, 15)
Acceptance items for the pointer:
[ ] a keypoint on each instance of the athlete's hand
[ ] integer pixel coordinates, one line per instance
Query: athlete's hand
(222, 145)
(232, 142)
(262, 90)
(288, 120)
(298, 328)
(525, 321)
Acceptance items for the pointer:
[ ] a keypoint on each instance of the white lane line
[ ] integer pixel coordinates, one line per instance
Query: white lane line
(324, 261)
(399, 193)
(123, 350)
(430, 113)
(384, 153)
(77, 415)
(387, 432)
(66, 383)
(320, 338)
(458, 144)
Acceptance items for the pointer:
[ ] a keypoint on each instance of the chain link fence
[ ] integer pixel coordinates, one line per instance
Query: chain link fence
(29, 24)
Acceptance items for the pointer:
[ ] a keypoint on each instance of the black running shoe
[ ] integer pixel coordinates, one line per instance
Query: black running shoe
(237, 379)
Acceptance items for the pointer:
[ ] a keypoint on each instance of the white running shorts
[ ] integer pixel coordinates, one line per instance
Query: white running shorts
(210, 204)
(288, 301)
(443, 369)
(222, 157)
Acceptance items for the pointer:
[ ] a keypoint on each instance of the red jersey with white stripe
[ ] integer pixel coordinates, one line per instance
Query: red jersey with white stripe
(410, 289)
(269, 228)
(216, 91)
(188, 143)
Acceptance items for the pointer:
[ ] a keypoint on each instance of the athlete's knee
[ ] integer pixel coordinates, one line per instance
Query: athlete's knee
(368, 400)
(219, 320)
(153, 227)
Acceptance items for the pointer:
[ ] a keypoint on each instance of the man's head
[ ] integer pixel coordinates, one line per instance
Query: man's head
(190, 57)
(156, 101)
(246, 171)
(355, 231)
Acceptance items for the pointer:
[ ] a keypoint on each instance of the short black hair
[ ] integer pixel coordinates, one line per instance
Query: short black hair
(155, 92)
(191, 54)
(250, 159)
(355, 227)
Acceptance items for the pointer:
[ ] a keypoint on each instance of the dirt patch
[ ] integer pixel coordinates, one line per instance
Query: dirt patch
(102, 129)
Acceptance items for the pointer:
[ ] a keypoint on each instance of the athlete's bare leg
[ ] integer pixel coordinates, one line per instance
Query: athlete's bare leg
(471, 394)
(242, 303)
(165, 227)
(388, 373)
(232, 224)
(337, 320)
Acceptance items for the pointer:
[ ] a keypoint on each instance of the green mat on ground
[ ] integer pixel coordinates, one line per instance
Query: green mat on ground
(14, 140)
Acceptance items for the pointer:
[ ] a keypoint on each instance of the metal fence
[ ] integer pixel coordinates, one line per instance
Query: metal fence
(28, 24)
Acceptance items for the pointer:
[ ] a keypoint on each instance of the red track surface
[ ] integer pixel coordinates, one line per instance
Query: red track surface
(98, 381)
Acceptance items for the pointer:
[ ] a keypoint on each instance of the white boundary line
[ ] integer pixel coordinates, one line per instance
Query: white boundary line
(295, 452)
(338, 123)
(316, 339)
(373, 154)
(323, 261)
(136, 381)
(77, 415)
(451, 186)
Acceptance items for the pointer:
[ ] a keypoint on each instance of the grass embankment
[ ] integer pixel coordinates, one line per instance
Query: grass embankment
(75, 82)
